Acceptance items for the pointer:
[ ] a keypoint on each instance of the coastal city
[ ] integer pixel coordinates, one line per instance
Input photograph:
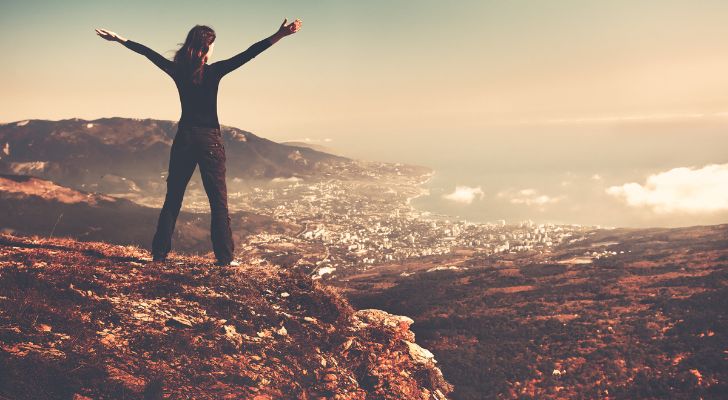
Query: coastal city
(354, 224)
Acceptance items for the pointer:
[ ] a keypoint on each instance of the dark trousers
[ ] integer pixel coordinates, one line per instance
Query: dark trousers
(192, 146)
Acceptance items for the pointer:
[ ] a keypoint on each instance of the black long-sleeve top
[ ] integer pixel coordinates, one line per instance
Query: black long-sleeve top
(199, 102)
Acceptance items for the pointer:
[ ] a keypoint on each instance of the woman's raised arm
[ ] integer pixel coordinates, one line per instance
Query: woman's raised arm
(164, 64)
(225, 66)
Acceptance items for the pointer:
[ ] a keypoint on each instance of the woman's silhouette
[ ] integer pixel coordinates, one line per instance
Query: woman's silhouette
(198, 139)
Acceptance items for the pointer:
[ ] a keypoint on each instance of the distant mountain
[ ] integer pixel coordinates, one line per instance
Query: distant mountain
(122, 155)
(34, 206)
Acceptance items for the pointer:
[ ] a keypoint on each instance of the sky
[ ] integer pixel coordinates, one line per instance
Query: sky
(406, 65)
(388, 80)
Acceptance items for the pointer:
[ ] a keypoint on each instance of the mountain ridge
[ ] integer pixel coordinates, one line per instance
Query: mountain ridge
(131, 155)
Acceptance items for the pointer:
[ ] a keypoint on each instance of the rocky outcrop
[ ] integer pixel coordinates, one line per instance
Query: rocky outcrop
(88, 320)
(397, 355)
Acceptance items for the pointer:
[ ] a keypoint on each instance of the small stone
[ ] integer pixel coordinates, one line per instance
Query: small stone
(108, 340)
(419, 354)
(179, 321)
(232, 335)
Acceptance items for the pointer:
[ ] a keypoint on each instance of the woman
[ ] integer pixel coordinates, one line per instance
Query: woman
(198, 139)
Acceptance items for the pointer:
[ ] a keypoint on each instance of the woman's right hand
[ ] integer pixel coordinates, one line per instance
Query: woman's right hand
(109, 35)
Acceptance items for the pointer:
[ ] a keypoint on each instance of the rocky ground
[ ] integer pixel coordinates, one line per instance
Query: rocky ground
(88, 320)
(623, 314)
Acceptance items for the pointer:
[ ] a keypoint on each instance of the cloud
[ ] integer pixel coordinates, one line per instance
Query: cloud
(636, 117)
(464, 194)
(529, 197)
(684, 189)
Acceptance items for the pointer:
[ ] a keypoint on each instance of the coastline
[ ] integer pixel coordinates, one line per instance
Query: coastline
(425, 214)
(423, 191)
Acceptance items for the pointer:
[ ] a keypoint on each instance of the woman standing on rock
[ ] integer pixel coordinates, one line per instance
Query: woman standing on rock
(198, 139)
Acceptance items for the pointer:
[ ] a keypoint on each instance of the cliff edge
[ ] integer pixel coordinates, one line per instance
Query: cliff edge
(89, 320)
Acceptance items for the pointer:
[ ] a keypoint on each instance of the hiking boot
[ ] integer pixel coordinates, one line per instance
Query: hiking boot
(231, 263)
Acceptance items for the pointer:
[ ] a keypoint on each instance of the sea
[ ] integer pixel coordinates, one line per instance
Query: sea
(606, 175)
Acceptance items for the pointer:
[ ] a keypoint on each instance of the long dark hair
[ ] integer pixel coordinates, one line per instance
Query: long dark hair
(190, 58)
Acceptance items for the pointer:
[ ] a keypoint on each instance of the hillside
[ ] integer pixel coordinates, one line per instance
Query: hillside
(122, 154)
(623, 314)
(35, 206)
(88, 320)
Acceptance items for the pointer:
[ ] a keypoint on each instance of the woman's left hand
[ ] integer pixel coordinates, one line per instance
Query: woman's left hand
(289, 29)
